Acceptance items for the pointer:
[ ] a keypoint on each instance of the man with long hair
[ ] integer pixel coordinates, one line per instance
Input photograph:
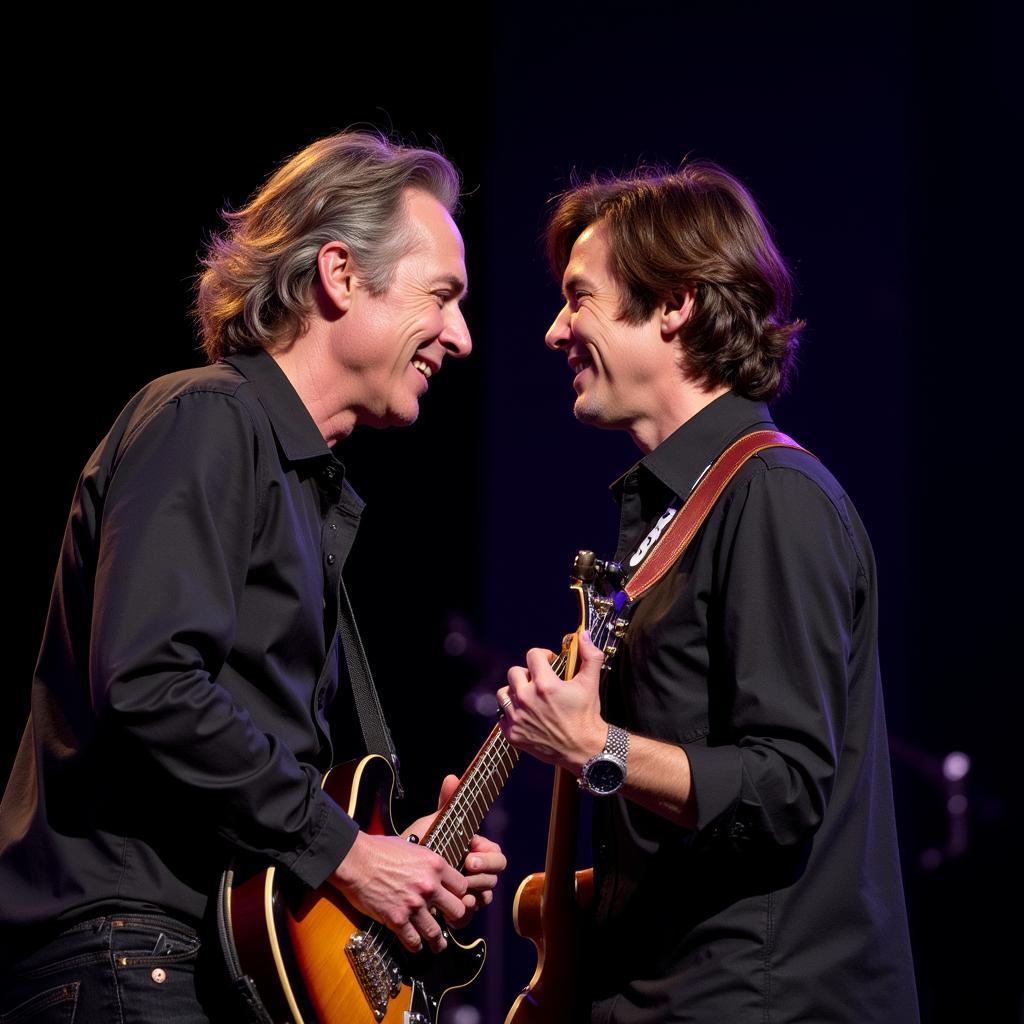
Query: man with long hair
(192, 651)
(746, 867)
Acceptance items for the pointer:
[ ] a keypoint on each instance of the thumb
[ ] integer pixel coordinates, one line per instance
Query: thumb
(592, 658)
(448, 787)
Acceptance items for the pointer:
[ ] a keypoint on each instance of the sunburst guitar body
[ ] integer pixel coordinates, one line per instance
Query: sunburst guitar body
(315, 959)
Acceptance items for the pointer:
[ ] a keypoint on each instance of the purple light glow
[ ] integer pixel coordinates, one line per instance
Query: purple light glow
(956, 766)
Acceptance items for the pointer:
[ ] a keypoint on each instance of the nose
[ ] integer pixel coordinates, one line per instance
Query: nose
(560, 332)
(455, 337)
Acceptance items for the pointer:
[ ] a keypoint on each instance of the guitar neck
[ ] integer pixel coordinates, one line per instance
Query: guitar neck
(456, 823)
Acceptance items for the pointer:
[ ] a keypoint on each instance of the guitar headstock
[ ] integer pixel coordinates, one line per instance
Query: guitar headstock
(604, 609)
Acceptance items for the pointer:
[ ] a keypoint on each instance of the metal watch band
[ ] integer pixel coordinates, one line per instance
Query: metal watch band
(617, 743)
(616, 750)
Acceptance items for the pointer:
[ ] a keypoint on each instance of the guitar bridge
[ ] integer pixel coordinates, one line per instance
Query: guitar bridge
(378, 974)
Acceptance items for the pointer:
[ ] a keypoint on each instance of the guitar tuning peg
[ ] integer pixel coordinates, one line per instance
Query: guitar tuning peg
(610, 572)
(584, 566)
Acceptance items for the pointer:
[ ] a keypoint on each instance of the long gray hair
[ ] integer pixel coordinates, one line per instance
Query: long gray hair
(258, 275)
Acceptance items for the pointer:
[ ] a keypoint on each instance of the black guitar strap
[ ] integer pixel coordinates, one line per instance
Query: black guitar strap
(249, 1005)
(376, 738)
(376, 735)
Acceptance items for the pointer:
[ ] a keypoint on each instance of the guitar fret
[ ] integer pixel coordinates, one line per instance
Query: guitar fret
(452, 831)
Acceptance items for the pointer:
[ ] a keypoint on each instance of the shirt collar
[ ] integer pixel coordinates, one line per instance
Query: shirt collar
(294, 428)
(296, 433)
(681, 458)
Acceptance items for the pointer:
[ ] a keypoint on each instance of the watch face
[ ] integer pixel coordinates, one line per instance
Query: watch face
(605, 775)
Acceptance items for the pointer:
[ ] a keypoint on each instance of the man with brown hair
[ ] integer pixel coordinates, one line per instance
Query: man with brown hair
(744, 838)
(191, 650)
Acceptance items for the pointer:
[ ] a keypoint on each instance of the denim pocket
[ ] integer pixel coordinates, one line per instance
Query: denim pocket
(54, 1006)
(155, 969)
(137, 940)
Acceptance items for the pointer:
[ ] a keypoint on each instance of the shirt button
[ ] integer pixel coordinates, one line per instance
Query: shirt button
(330, 473)
(334, 526)
(331, 559)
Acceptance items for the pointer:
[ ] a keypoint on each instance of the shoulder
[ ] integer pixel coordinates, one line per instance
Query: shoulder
(204, 422)
(791, 495)
(797, 470)
(220, 380)
(212, 403)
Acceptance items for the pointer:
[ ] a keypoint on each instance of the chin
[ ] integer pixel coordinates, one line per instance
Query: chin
(404, 417)
(594, 414)
(588, 411)
(392, 418)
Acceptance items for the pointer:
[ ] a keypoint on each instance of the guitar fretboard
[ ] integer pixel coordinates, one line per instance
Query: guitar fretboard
(455, 825)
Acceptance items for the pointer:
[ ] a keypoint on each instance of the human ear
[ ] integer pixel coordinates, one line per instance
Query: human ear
(334, 265)
(676, 310)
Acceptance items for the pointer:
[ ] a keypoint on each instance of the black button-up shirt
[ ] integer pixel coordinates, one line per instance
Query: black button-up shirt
(178, 704)
(758, 656)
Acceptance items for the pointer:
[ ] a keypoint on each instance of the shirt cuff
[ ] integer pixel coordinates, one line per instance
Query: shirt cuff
(716, 776)
(336, 832)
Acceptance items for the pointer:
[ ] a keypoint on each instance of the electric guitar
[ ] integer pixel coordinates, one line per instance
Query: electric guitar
(315, 959)
(551, 907)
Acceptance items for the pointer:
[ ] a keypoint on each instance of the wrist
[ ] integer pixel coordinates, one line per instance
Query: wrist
(605, 773)
(348, 868)
(591, 743)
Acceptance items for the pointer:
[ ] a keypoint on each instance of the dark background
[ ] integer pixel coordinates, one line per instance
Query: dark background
(877, 142)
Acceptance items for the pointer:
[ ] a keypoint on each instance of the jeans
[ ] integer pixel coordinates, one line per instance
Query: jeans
(120, 969)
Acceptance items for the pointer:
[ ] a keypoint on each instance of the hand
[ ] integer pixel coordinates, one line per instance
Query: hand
(483, 863)
(398, 883)
(556, 720)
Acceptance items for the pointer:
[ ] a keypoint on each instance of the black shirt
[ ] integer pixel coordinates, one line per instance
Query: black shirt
(190, 651)
(758, 656)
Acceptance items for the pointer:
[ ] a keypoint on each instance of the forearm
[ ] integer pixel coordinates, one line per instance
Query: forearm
(657, 774)
(658, 778)
(559, 721)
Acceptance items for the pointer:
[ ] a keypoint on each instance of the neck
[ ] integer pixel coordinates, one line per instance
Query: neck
(306, 362)
(672, 410)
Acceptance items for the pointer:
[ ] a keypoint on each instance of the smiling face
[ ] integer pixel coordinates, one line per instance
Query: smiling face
(396, 341)
(619, 368)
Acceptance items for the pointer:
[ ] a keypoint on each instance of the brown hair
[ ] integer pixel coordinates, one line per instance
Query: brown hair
(255, 288)
(696, 227)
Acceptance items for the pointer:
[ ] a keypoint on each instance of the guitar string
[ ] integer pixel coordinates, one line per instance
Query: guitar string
(381, 945)
(447, 830)
(490, 765)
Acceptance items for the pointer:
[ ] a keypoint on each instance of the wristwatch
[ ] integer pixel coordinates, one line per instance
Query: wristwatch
(604, 773)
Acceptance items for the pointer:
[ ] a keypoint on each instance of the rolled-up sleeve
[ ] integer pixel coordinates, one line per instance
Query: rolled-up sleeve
(178, 517)
(786, 600)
